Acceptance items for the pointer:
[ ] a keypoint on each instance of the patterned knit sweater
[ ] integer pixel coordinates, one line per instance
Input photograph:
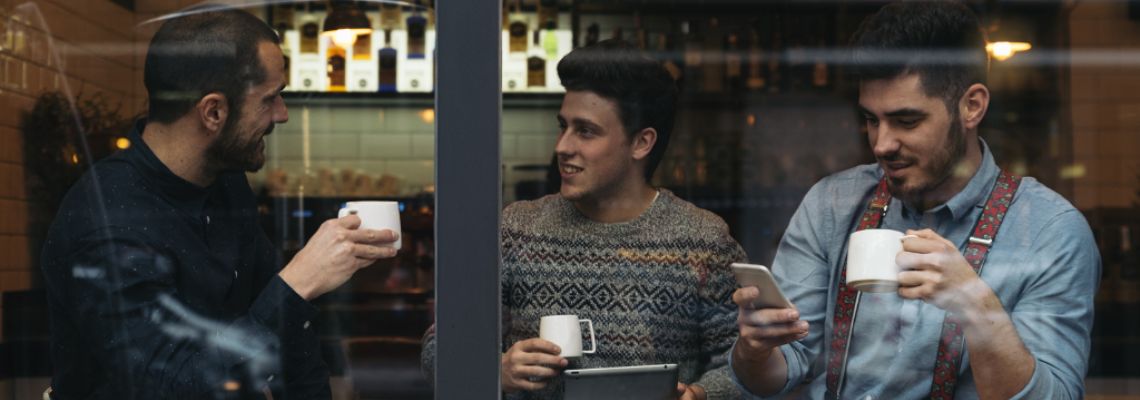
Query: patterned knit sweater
(658, 289)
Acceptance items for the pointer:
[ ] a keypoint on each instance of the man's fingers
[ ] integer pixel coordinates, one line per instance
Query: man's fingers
(774, 331)
(534, 371)
(769, 316)
(372, 253)
(537, 345)
(540, 359)
(350, 221)
(373, 236)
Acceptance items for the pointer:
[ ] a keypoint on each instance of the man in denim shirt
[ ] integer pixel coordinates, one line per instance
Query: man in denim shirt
(921, 69)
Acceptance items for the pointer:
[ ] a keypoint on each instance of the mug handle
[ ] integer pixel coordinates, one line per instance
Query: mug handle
(345, 212)
(593, 343)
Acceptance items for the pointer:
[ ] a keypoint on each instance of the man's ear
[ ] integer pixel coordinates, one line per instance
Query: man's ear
(213, 110)
(643, 143)
(973, 105)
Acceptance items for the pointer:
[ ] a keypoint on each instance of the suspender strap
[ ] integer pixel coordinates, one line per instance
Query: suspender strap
(847, 299)
(952, 343)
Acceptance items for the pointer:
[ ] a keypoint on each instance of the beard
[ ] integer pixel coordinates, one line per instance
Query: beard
(235, 151)
(942, 165)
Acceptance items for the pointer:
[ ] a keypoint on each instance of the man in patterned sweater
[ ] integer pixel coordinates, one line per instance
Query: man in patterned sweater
(651, 270)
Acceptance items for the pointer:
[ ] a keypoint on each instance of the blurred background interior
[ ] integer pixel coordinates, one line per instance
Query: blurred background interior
(764, 113)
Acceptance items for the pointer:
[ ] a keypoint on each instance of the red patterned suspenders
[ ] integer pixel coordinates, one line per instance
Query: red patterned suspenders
(952, 343)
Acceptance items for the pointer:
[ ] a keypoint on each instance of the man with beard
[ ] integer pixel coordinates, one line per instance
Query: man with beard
(161, 283)
(1017, 328)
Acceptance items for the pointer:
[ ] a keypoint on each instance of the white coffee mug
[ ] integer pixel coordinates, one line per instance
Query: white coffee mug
(871, 263)
(566, 332)
(377, 215)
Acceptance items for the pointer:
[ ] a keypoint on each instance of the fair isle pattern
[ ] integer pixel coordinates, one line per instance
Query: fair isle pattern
(658, 289)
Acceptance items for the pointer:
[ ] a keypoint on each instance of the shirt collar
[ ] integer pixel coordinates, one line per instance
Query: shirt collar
(975, 192)
(178, 190)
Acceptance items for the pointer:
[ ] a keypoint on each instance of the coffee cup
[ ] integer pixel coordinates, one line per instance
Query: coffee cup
(871, 263)
(377, 215)
(566, 332)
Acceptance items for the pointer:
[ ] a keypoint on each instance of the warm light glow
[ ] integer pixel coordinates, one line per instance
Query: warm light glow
(232, 386)
(428, 115)
(751, 120)
(1074, 171)
(75, 158)
(1004, 50)
(122, 143)
(345, 38)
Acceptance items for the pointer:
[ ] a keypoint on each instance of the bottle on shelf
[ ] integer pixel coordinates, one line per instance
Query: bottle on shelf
(1128, 287)
(756, 68)
(693, 55)
(665, 53)
(733, 73)
(336, 68)
(390, 15)
(548, 14)
(536, 65)
(517, 30)
(713, 67)
(417, 30)
(592, 33)
(387, 57)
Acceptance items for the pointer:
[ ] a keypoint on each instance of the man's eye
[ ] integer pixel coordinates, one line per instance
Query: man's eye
(909, 123)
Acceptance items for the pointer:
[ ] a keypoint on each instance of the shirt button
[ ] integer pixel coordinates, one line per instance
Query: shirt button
(207, 219)
(235, 274)
(270, 378)
(306, 325)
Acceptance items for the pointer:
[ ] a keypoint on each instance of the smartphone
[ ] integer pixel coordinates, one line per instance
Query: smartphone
(760, 277)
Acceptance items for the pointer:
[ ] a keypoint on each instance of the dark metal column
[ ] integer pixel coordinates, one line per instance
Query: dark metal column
(468, 191)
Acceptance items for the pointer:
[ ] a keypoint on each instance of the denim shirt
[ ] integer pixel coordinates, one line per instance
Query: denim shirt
(1044, 267)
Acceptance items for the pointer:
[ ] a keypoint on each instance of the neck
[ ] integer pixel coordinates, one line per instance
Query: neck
(960, 176)
(625, 205)
(181, 149)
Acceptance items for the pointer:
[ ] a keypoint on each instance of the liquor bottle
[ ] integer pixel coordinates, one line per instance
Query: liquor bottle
(518, 30)
(819, 75)
(417, 29)
(775, 68)
(548, 14)
(282, 18)
(713, 69)
(362, 48)
(387, 59)
(693, 55)
(336, 68)
(665, 52)
(755, 79)
(310, 37)
(536, 65)
(639, 32)
(390, 15)
(733, 74)
(592, 33)
(617, 34)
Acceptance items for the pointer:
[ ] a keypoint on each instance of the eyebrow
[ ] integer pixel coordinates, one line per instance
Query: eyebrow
(902, 112)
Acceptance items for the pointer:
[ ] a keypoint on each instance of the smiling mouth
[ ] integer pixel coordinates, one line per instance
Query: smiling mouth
(569, 169)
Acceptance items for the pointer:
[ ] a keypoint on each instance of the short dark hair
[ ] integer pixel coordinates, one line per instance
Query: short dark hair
(644, 91)
(200, 51)
(941, 41)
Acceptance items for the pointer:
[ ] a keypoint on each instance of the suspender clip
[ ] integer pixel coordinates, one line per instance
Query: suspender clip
(981, 241)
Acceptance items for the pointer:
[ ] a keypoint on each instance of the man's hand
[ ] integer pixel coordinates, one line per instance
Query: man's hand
(334, 253)
(690, 392)
(763, 330)
(529, 365)
(933, 270)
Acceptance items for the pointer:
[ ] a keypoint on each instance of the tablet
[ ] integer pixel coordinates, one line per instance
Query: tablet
(637, 382)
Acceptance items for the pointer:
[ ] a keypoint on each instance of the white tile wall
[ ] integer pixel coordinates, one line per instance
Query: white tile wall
(399, 141)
